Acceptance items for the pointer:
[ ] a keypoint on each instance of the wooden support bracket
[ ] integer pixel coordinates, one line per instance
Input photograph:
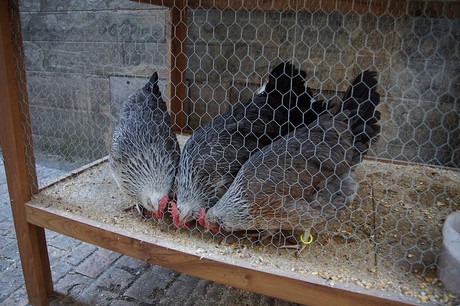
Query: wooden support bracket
(18, 156)
(177, 63)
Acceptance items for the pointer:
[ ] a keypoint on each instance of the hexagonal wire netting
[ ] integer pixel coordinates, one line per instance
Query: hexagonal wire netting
(84, 59)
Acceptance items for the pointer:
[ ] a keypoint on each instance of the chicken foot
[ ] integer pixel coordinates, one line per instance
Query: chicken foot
(305, 240)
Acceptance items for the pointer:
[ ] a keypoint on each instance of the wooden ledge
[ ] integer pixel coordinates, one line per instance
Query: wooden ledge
(239, 275)
(439, 8)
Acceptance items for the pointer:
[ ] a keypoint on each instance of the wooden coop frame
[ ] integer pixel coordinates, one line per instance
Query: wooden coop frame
(31, 220)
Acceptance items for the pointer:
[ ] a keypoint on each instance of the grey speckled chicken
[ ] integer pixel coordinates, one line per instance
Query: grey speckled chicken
(144, 155)
(303, 179)
(213, 155)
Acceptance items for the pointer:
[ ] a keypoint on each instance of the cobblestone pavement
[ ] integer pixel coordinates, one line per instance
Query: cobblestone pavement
(87, 275)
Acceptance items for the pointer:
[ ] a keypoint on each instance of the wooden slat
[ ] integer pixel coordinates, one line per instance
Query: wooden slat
(177, 63)
(326, 6)
(440, 8)
(16, 142)
(153, 251)
(164, 3)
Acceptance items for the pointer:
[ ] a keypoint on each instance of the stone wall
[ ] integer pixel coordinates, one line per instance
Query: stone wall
(84, 57)
(76, 52)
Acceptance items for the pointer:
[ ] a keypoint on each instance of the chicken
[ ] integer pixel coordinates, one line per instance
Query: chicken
(303, 179)
(215, 152)
(145, 153)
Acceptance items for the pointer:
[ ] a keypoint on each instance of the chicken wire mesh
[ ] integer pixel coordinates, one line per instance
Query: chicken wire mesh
(84, 60)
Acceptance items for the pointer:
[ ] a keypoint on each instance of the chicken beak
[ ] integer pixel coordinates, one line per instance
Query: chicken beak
(201, 217)
(158, 214)
(213, 228)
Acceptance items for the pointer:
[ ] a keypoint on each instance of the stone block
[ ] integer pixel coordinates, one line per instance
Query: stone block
(17, 298)
(241, 297)
(96, 58)
(206, 100)
(139, 59)
(67, 113)
(58, 91)
(55, 252)
(146, 291)
(60, 123)
(132, 265)
(76, 5)
(93, 295)
(80, 253)
(115, 280)
(50, 234)
(9, 251)
(5, 264)
(4, 191)
(59, 268)
(123, 303)
(10, 281)
(68, 153)
(95, 26)
(64, 242)
(71, 284)
(215, 292)
(96, 263)
(47, 175)
(201, 288)
(180, 290)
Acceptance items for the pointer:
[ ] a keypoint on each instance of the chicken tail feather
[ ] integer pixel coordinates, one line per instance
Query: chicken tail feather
(284, 79)
(287, 84)
(360, 102)
(152, 84)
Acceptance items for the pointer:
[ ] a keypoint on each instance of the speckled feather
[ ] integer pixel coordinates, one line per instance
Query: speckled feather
(303, 179)
(214, 153)
(144, 155)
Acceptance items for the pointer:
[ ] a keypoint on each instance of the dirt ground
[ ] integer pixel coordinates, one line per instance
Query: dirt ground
(388, 239)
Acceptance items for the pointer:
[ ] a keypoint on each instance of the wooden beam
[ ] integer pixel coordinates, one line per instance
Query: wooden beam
(177, 63)
(15, 136)
(152, 250)
(435, 8)
(164, 3)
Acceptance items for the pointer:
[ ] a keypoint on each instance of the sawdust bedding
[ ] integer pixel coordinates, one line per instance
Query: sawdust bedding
(388, 240)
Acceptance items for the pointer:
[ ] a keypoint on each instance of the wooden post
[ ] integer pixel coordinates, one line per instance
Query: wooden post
(15, 136)
(177, 63)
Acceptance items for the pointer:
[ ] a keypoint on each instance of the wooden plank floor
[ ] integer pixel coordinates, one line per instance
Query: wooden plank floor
(279, 283)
